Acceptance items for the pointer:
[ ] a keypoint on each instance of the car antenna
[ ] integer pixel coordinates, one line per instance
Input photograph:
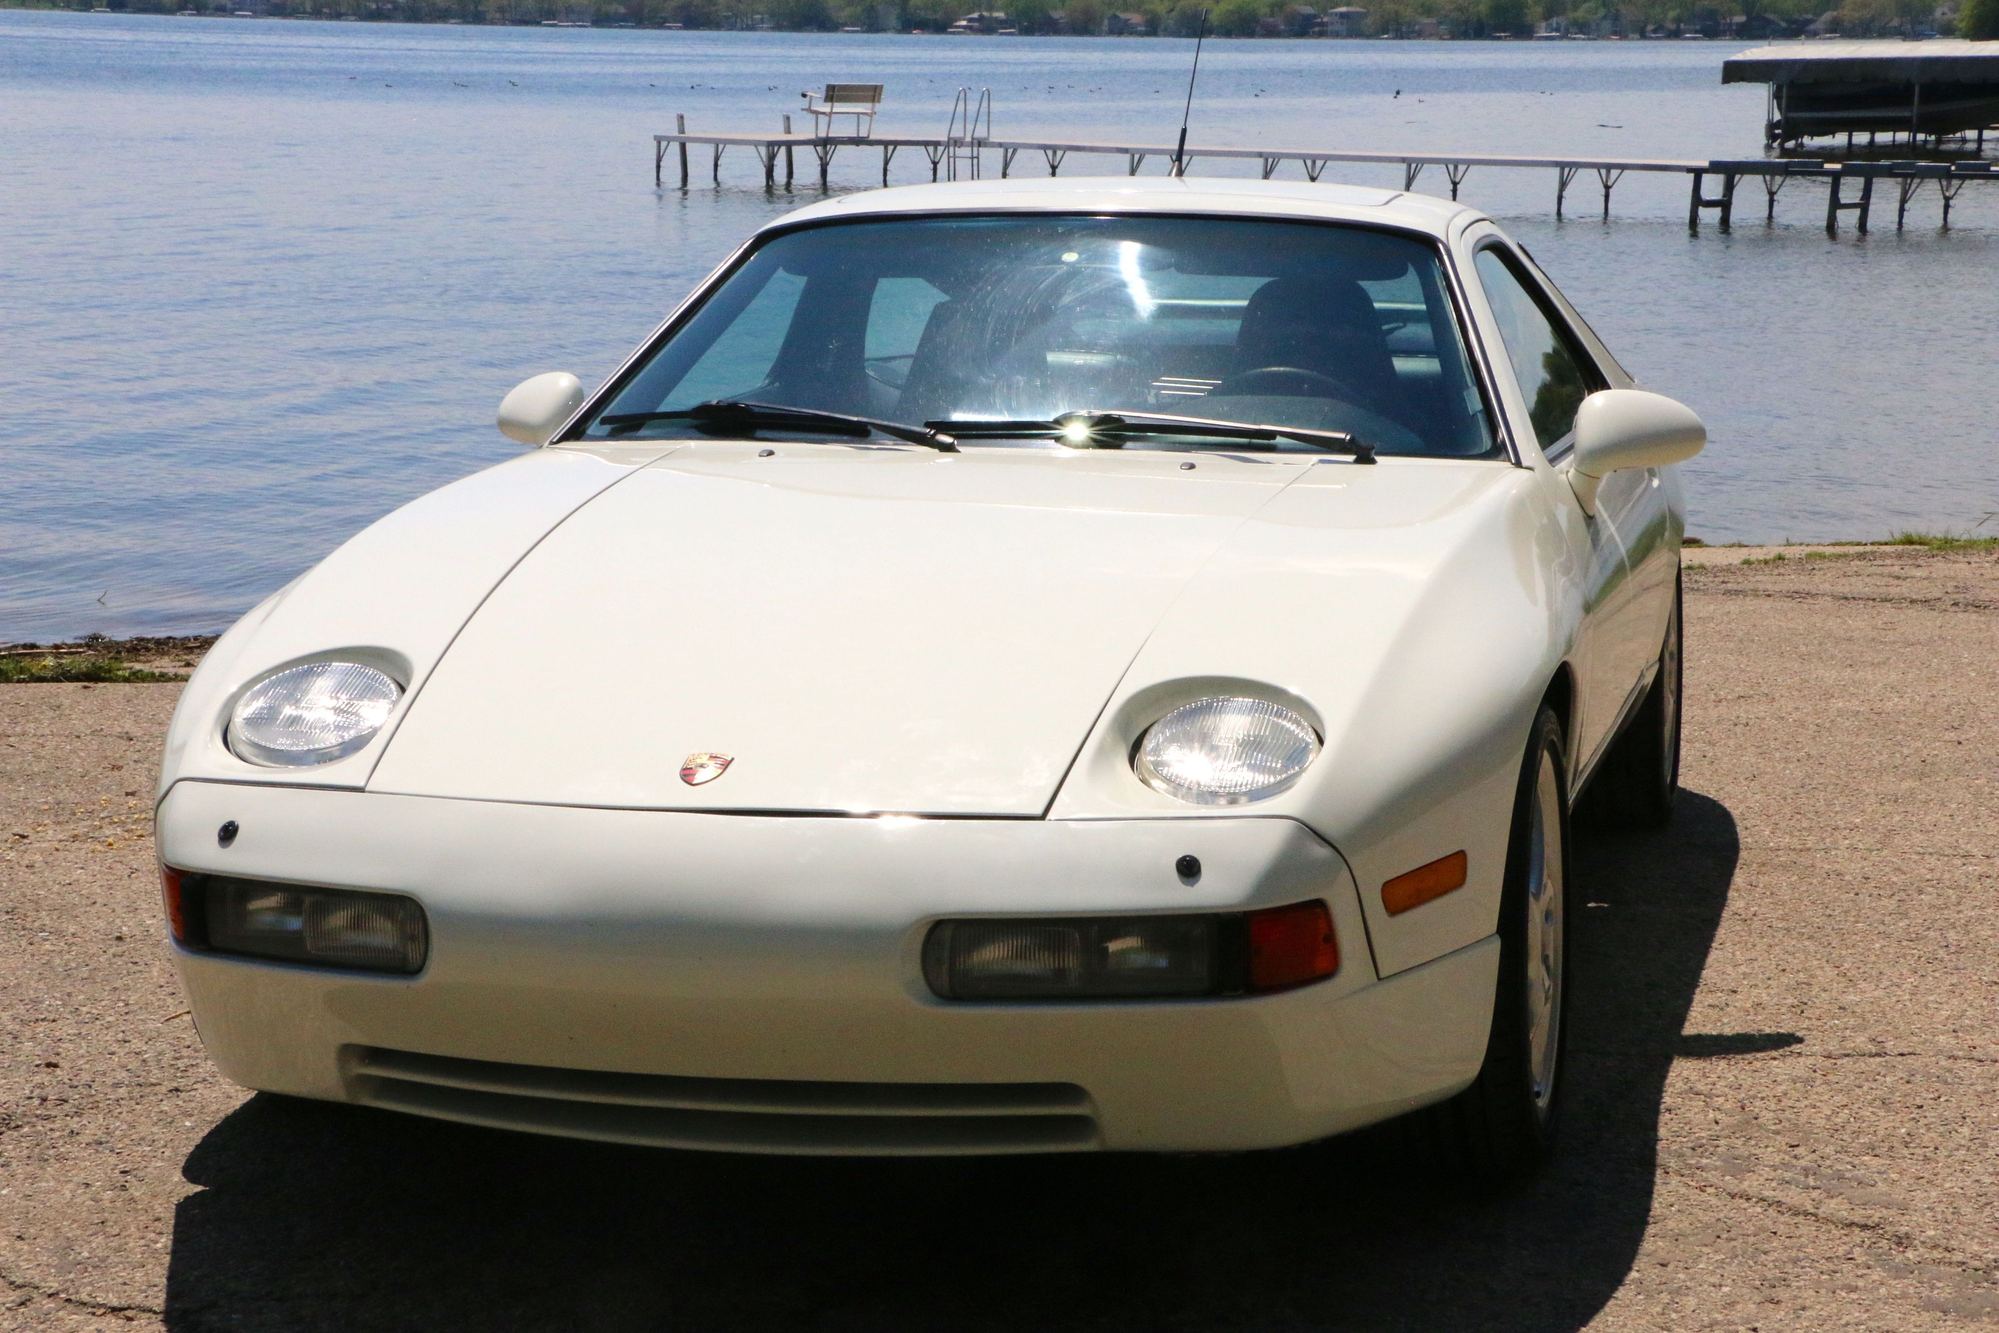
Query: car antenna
(1180, 153)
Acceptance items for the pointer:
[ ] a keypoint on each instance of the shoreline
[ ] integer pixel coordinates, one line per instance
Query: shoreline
(178, 653)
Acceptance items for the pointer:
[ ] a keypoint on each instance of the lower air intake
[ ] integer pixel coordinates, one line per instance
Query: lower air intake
(730, 1115)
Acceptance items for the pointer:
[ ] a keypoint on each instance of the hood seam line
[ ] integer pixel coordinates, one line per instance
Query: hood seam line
(1069, 769)
(368, 779)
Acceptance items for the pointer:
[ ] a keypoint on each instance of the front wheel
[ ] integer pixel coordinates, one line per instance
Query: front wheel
(1503, 1125)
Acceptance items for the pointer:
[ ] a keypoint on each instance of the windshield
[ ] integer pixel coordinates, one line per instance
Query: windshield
(1026, 318)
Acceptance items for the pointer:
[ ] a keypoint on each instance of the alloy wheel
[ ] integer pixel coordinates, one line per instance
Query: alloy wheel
(1544, 933)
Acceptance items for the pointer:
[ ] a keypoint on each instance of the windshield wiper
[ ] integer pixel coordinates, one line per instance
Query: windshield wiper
(1109, 430)
(729, 415)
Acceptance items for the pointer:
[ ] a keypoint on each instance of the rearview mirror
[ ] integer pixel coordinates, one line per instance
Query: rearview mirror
(536, 408)
(1619, 429)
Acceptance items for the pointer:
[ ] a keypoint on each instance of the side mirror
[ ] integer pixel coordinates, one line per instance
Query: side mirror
(1618, 429)
(536, 408)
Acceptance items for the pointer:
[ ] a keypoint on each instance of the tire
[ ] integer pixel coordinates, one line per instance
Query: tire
(1502, 1128)
(1640, 777)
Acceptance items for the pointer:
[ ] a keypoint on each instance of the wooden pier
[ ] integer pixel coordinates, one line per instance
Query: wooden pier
(1850, 183)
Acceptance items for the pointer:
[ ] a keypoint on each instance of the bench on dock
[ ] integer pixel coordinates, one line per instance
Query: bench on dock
(859, 100)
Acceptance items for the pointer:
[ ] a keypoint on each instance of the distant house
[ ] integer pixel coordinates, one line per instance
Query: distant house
(981, 23)
(1130, 24)
(1299, 21)
(1758, 27)
(1346, 21)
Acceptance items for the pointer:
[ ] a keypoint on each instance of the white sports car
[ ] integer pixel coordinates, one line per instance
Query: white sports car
(1009, 667)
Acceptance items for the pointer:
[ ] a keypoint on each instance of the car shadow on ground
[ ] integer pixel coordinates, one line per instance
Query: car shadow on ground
(324, 1216)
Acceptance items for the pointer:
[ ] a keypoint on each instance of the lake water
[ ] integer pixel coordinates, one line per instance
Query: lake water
(260, 282)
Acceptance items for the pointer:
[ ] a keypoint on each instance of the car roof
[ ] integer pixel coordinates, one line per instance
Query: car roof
(1159, 194)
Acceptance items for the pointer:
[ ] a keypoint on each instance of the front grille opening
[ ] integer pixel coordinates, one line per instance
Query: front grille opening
(733, 1115)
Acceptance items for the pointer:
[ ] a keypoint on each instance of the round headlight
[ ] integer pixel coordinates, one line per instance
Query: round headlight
(311, 714)
(1226, 751)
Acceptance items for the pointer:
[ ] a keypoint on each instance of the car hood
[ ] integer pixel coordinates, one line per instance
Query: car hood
(859, 628)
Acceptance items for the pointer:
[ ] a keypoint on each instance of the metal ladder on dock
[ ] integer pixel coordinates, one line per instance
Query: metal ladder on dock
(971, 125)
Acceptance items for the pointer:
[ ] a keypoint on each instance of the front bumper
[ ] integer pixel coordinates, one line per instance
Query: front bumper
(755, 983)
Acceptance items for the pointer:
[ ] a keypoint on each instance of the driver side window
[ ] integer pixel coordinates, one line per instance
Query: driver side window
(1553, 373)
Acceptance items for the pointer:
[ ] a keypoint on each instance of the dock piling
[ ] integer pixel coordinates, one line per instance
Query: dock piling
(1609, 176)
(1563, 176)
(1948, 189)
(1723, 203)
(680, 125)
(1835, 203)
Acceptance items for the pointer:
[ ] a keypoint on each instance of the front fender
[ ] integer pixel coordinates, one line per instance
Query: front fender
(397, 593)
(1421, 651)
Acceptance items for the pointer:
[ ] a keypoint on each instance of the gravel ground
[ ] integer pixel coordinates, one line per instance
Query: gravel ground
(1784, 1085)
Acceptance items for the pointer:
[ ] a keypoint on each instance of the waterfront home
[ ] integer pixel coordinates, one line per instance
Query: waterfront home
(1346, 21)
(981, 24)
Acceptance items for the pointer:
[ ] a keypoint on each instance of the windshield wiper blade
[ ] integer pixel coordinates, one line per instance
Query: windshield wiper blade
(1120, 426)
(740, 414)
(1109, 430)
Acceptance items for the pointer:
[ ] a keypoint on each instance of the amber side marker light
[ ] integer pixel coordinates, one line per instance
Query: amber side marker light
(1424, 883)
(170, 883)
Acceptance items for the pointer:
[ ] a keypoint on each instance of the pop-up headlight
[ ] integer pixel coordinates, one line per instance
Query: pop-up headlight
(1226, 751)
(311, 714)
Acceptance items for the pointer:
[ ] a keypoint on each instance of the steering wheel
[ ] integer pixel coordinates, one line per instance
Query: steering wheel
(1286, 381)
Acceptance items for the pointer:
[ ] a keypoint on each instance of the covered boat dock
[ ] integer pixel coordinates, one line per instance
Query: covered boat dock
(1915, 90)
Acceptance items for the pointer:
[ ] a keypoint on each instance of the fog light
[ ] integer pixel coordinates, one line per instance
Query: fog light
(376, 932)
(1132, 958)
(1125, 958)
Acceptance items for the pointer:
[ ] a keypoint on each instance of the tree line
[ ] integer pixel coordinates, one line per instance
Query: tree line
(1175, 18)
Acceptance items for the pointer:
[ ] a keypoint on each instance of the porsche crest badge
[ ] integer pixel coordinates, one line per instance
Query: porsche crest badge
(704, 766)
